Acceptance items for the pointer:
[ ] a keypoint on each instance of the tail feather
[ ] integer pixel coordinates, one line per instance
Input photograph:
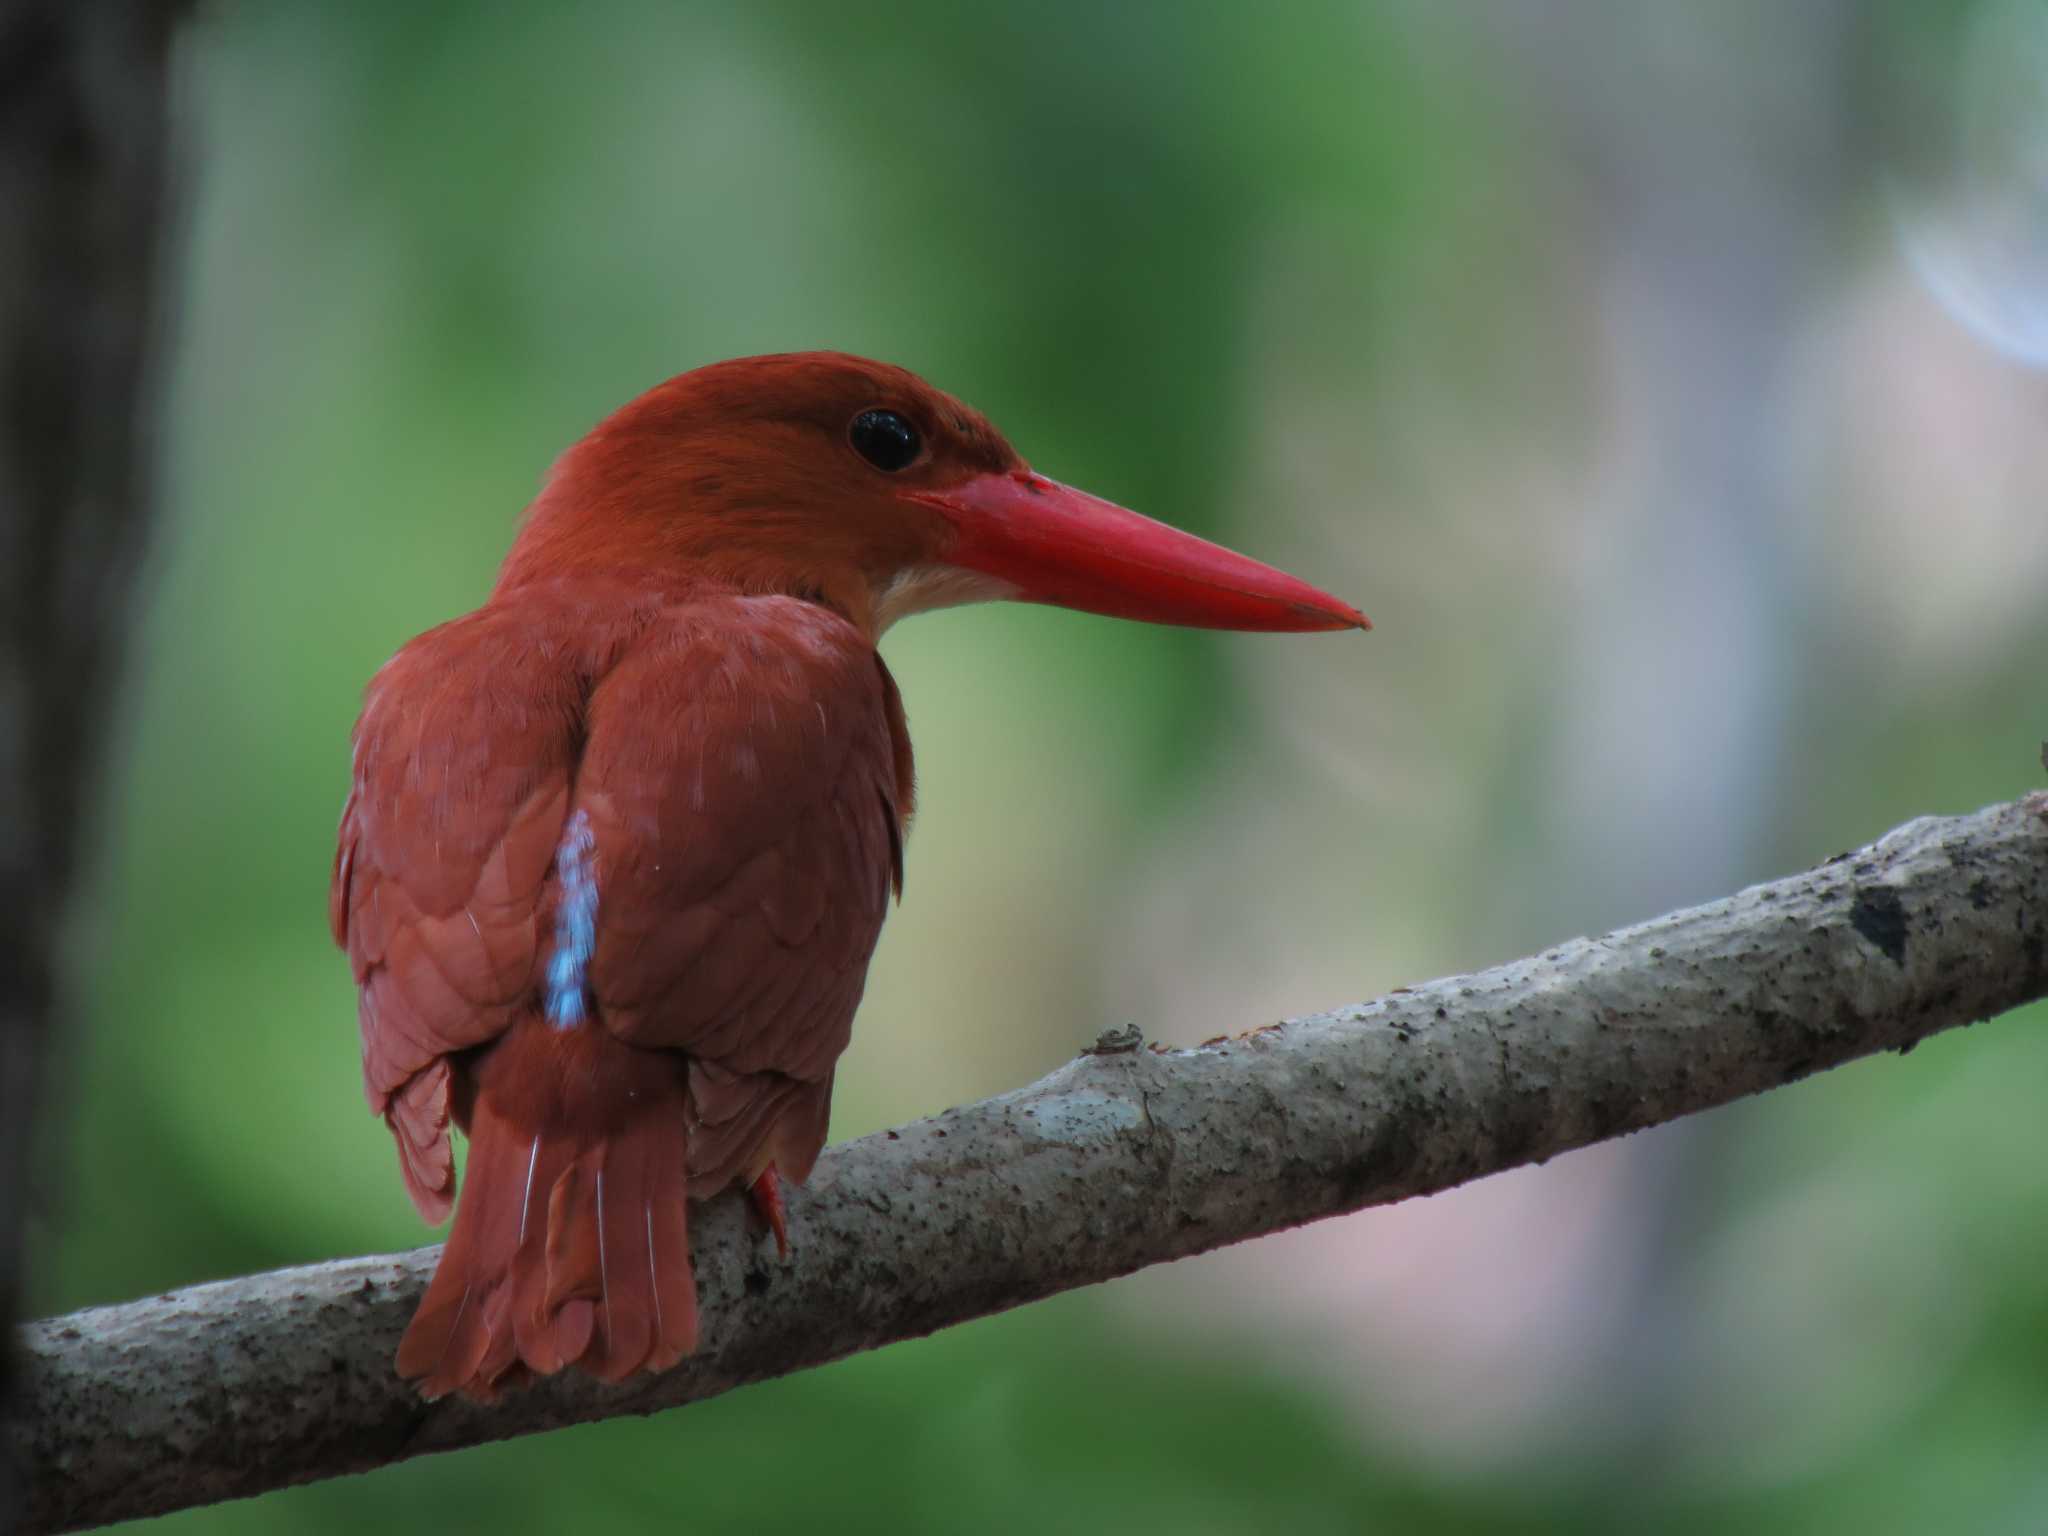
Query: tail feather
(570, 1247)
(575, 1260)
(644, 1252)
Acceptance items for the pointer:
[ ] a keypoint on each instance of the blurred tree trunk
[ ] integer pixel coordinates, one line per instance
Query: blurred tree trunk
(1717, 146)
(83, 118)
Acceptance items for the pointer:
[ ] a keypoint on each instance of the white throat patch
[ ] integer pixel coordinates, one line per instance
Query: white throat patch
(925, 587)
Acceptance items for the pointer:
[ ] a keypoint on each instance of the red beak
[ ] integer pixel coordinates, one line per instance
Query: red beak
(1055, 544)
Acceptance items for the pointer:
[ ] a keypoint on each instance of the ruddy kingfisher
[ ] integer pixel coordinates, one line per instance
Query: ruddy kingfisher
(618, 845)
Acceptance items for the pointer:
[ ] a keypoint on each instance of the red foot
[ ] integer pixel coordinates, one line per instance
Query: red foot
(766, 1195)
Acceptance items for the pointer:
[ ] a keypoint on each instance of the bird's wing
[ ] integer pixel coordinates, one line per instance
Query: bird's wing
(463, 761)
(745, 777)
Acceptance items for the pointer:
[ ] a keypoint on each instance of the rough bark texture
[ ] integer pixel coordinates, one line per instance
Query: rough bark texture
(82, 128)
(1123, 1158)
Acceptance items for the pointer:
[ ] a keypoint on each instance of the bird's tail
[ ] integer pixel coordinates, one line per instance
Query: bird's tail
(571, 1243)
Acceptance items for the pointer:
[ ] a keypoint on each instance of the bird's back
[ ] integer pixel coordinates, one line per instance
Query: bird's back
(609, 875)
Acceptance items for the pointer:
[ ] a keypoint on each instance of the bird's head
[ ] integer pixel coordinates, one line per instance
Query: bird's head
(858, 484)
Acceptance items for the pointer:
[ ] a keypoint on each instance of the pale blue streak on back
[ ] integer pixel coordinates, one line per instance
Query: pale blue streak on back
(575, 924)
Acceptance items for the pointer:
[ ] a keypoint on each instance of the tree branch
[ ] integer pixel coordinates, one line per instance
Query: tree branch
(1123, 1158)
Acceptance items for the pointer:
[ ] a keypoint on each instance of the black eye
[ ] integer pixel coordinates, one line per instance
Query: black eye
(884, 439)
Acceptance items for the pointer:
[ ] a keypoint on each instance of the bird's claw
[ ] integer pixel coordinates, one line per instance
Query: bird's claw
(765, 1194)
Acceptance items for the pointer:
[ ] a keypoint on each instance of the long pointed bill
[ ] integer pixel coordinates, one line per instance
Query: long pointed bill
(1055, 544)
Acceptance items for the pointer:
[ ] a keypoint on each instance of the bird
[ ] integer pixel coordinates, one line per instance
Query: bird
(618, 844)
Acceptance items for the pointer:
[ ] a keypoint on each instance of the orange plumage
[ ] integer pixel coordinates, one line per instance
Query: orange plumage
(619, 844)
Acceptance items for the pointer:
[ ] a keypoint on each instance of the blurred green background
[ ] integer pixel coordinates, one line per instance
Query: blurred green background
(1663, 381)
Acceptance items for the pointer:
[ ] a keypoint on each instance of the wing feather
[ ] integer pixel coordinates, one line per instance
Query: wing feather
(464, 754)
(741, 774)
